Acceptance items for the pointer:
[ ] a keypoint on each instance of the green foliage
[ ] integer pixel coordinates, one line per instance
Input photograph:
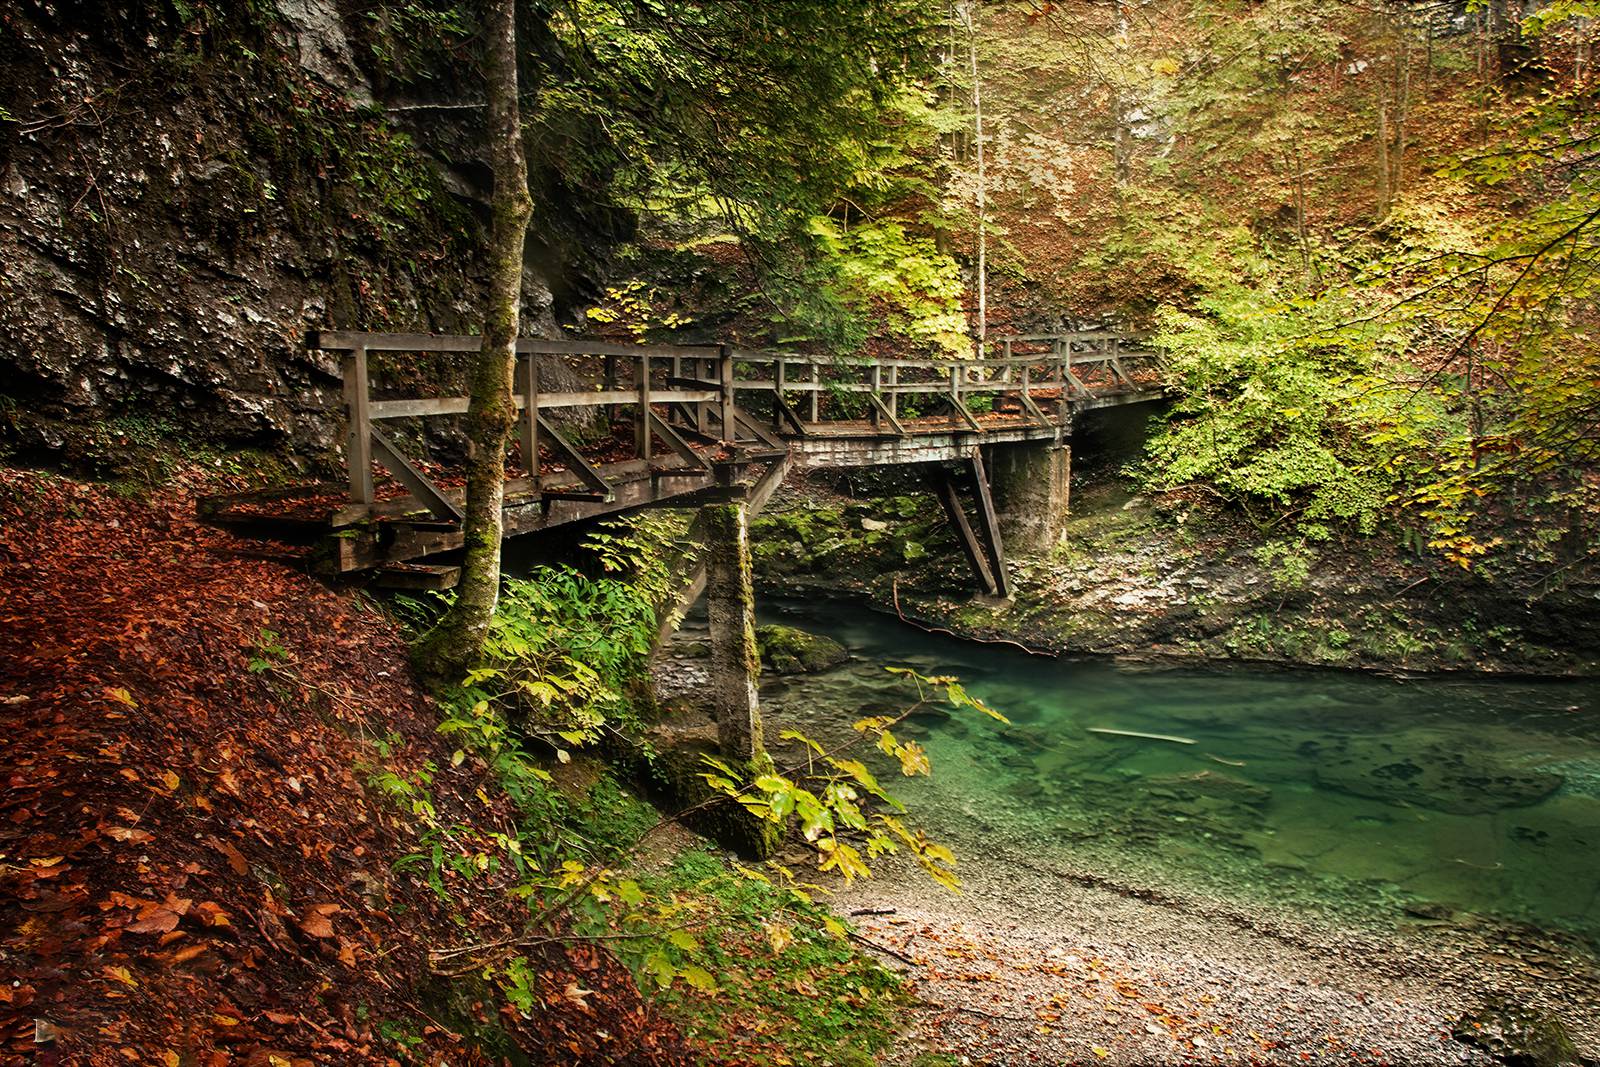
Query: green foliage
(1290, 564)
(759, 120)
(878, 264)
(563, 646)
(1285, 411)
(269, 654)
(838, 802)
(731, 951)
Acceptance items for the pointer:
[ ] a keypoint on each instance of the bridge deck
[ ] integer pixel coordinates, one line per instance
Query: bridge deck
(680, 411)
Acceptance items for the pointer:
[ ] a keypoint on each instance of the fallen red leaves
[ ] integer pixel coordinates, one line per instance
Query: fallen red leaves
(191, 869)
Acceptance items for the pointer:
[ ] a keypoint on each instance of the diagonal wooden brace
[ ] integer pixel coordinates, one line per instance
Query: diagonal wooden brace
(674, 441)
(384, 451)
(575, 461)
(883, 412)
(787, 413)
(961, 409)
(751, 423)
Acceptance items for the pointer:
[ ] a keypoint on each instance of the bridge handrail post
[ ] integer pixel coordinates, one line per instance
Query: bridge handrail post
(730, 429)
(894, 392)
(530, 419)
(642, 426)
(875, 379)
(358, 444)
(816, 392)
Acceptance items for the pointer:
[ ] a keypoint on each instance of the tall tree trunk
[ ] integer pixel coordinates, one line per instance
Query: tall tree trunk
(1402, 109)
(983, 192)
(1122, 144)
(1382, 159)
(491, 409)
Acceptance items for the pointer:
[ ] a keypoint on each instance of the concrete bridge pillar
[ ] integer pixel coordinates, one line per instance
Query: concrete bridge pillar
(1032, 487)
(730, 604)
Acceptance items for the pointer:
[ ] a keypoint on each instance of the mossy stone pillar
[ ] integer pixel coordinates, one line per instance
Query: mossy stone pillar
(1032, 484)
(730, 604)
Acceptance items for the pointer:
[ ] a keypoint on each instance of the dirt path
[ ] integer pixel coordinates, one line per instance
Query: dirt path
(1041, 965)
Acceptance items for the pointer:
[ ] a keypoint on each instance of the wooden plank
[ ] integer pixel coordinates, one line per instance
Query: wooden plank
(457, 405)
(422, 407)
(589, 399)
(412, 478)
(417, 576)
(945, 489)
(574, 494)
(574, 459)
(989, 525)
(358, 442)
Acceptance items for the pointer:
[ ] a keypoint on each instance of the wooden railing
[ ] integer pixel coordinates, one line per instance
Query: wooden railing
(1060, 367)
(697, 388)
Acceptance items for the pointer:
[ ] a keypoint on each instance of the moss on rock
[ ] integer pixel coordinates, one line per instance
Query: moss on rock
(786, 650)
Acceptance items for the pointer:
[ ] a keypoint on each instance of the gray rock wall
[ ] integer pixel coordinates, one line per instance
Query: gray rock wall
(181, 202)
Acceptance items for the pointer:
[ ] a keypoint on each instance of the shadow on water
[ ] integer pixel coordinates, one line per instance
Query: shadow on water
(1344, 795)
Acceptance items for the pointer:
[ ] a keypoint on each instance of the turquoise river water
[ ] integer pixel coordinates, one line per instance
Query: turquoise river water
(1345, 795)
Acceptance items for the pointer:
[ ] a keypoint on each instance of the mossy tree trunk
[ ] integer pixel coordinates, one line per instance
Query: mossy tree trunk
(491, 410)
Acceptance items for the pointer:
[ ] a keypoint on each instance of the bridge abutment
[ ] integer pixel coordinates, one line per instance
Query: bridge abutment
(1032, 486)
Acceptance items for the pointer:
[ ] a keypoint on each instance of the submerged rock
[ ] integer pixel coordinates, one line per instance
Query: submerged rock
(1516, 1036)
(786, 650)
(1430, 772)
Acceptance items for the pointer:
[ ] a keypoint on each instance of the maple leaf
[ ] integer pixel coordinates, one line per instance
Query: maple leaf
(576, 994)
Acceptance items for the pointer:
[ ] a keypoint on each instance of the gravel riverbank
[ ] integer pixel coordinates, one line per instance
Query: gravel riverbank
(1036, 964)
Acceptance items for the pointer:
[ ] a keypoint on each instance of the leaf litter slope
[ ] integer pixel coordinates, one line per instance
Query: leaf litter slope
(191, 869)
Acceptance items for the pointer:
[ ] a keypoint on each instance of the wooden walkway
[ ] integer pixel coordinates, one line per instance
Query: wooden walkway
(670, 425)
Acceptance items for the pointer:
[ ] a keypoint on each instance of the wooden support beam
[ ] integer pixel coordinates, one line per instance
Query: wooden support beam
(788, 413)
(960, 407)
(674, 441)
(741, 417)
(358, 446)
(575, 461)
(876, 381)
(944, 488)
(412, 478)
(989, 524)
(884, 411)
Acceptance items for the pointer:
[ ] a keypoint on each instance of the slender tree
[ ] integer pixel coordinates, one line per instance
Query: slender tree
(491, 410)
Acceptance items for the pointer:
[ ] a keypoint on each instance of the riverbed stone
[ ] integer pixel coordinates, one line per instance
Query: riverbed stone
(1424, 770)
(787, 650)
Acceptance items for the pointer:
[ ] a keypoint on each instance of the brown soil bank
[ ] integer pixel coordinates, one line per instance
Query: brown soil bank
(1181, 579)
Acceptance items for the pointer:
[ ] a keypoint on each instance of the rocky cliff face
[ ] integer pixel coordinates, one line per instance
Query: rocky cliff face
(184, 196)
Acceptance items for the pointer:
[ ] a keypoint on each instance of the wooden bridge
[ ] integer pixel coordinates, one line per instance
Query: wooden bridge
(608, 428)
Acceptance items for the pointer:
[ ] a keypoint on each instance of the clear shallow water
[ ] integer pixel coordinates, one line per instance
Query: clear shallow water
(1340, 794)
